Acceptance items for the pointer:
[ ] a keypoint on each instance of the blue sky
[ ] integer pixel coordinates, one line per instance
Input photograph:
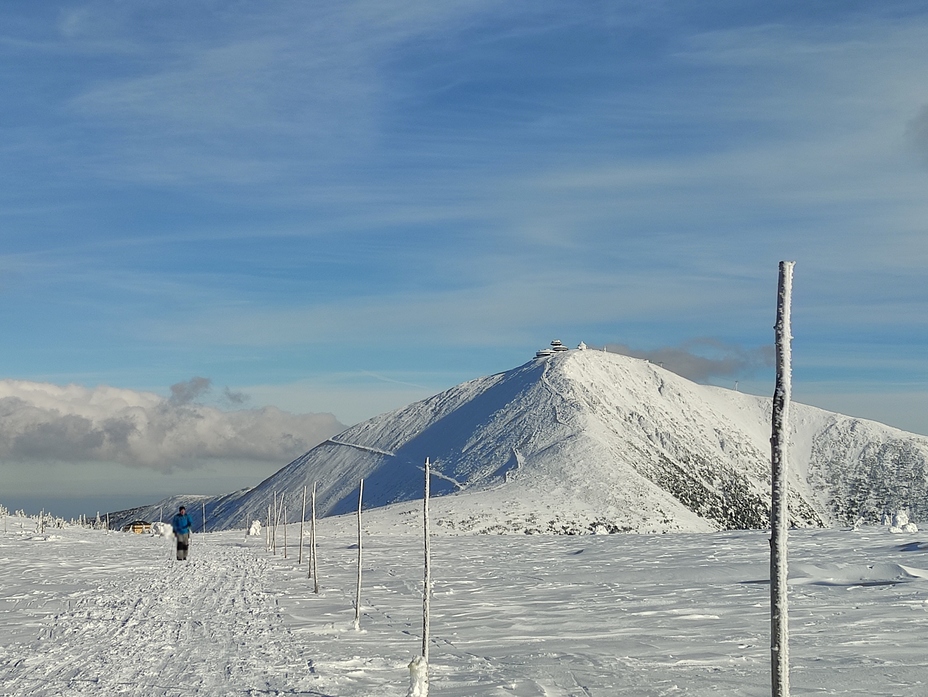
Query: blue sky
(345, 206)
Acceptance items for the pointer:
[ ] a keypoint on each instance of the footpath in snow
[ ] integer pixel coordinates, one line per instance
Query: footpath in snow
(94, 613)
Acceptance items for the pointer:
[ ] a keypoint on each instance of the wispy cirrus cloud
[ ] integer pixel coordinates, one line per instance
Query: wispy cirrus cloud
(418, 182)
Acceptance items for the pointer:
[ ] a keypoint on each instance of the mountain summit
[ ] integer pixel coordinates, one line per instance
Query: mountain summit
(584, 440)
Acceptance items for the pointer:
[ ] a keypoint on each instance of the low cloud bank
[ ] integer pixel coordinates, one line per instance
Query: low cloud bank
(46, 422)
(700, 360)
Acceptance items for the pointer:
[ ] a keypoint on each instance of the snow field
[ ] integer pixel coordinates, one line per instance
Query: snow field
(86, 612)
(112, 613)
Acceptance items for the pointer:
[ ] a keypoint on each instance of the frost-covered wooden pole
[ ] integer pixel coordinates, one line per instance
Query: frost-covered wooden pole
(299, 560)
(283, 507)
(274, 523)
(427, 574)
(312, 544)
(280, 510)
(203, 513)
(419, 667)
(779, 503)
(357, 600)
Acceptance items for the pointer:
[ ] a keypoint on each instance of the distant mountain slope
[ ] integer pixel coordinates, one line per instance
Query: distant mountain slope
(584, 440)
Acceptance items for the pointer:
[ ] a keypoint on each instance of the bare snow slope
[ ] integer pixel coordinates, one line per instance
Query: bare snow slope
(583, 440)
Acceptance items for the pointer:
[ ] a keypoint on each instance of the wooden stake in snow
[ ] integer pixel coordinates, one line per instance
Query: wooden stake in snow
(299, 560)
(267, 531)
(779, 503)
(312, 545)
(274, 523)
(283, 507)
(280, 510)
(357, 601)
(427, 574)
(203, 513)
(419, 667)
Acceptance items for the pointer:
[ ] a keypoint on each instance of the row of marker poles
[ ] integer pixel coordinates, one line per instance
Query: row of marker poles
(418, 668)
(275, 511)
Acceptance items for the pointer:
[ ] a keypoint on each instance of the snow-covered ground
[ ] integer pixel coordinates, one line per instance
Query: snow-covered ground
(87, 612)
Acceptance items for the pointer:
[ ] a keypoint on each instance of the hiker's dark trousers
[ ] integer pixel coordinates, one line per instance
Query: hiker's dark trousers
(183, 543)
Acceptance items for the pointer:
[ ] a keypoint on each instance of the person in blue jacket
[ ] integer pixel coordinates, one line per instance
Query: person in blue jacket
(182, 525)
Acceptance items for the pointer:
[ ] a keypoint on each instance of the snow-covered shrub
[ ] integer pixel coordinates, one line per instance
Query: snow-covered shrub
(901, 523)
(255, 529)
(162, 529)
(908, 527)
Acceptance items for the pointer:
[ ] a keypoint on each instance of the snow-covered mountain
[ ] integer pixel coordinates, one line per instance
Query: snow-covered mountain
(585, 440)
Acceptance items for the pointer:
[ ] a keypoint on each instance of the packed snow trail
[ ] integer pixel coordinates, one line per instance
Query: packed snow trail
(202, 627)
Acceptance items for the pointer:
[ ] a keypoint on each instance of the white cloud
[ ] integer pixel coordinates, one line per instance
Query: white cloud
(42, 422)
(306, 82)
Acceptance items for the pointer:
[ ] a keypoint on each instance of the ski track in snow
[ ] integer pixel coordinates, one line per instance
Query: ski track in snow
(93, 613)
(158, 626)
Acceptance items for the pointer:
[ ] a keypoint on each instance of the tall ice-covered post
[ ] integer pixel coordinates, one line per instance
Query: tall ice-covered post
(779, 503)
(302, 518)
(357, 599)
(427, 575)
(313, 556)
(419, 667)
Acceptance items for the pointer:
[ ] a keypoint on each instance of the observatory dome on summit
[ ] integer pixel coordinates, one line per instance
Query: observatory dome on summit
(556, 347)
